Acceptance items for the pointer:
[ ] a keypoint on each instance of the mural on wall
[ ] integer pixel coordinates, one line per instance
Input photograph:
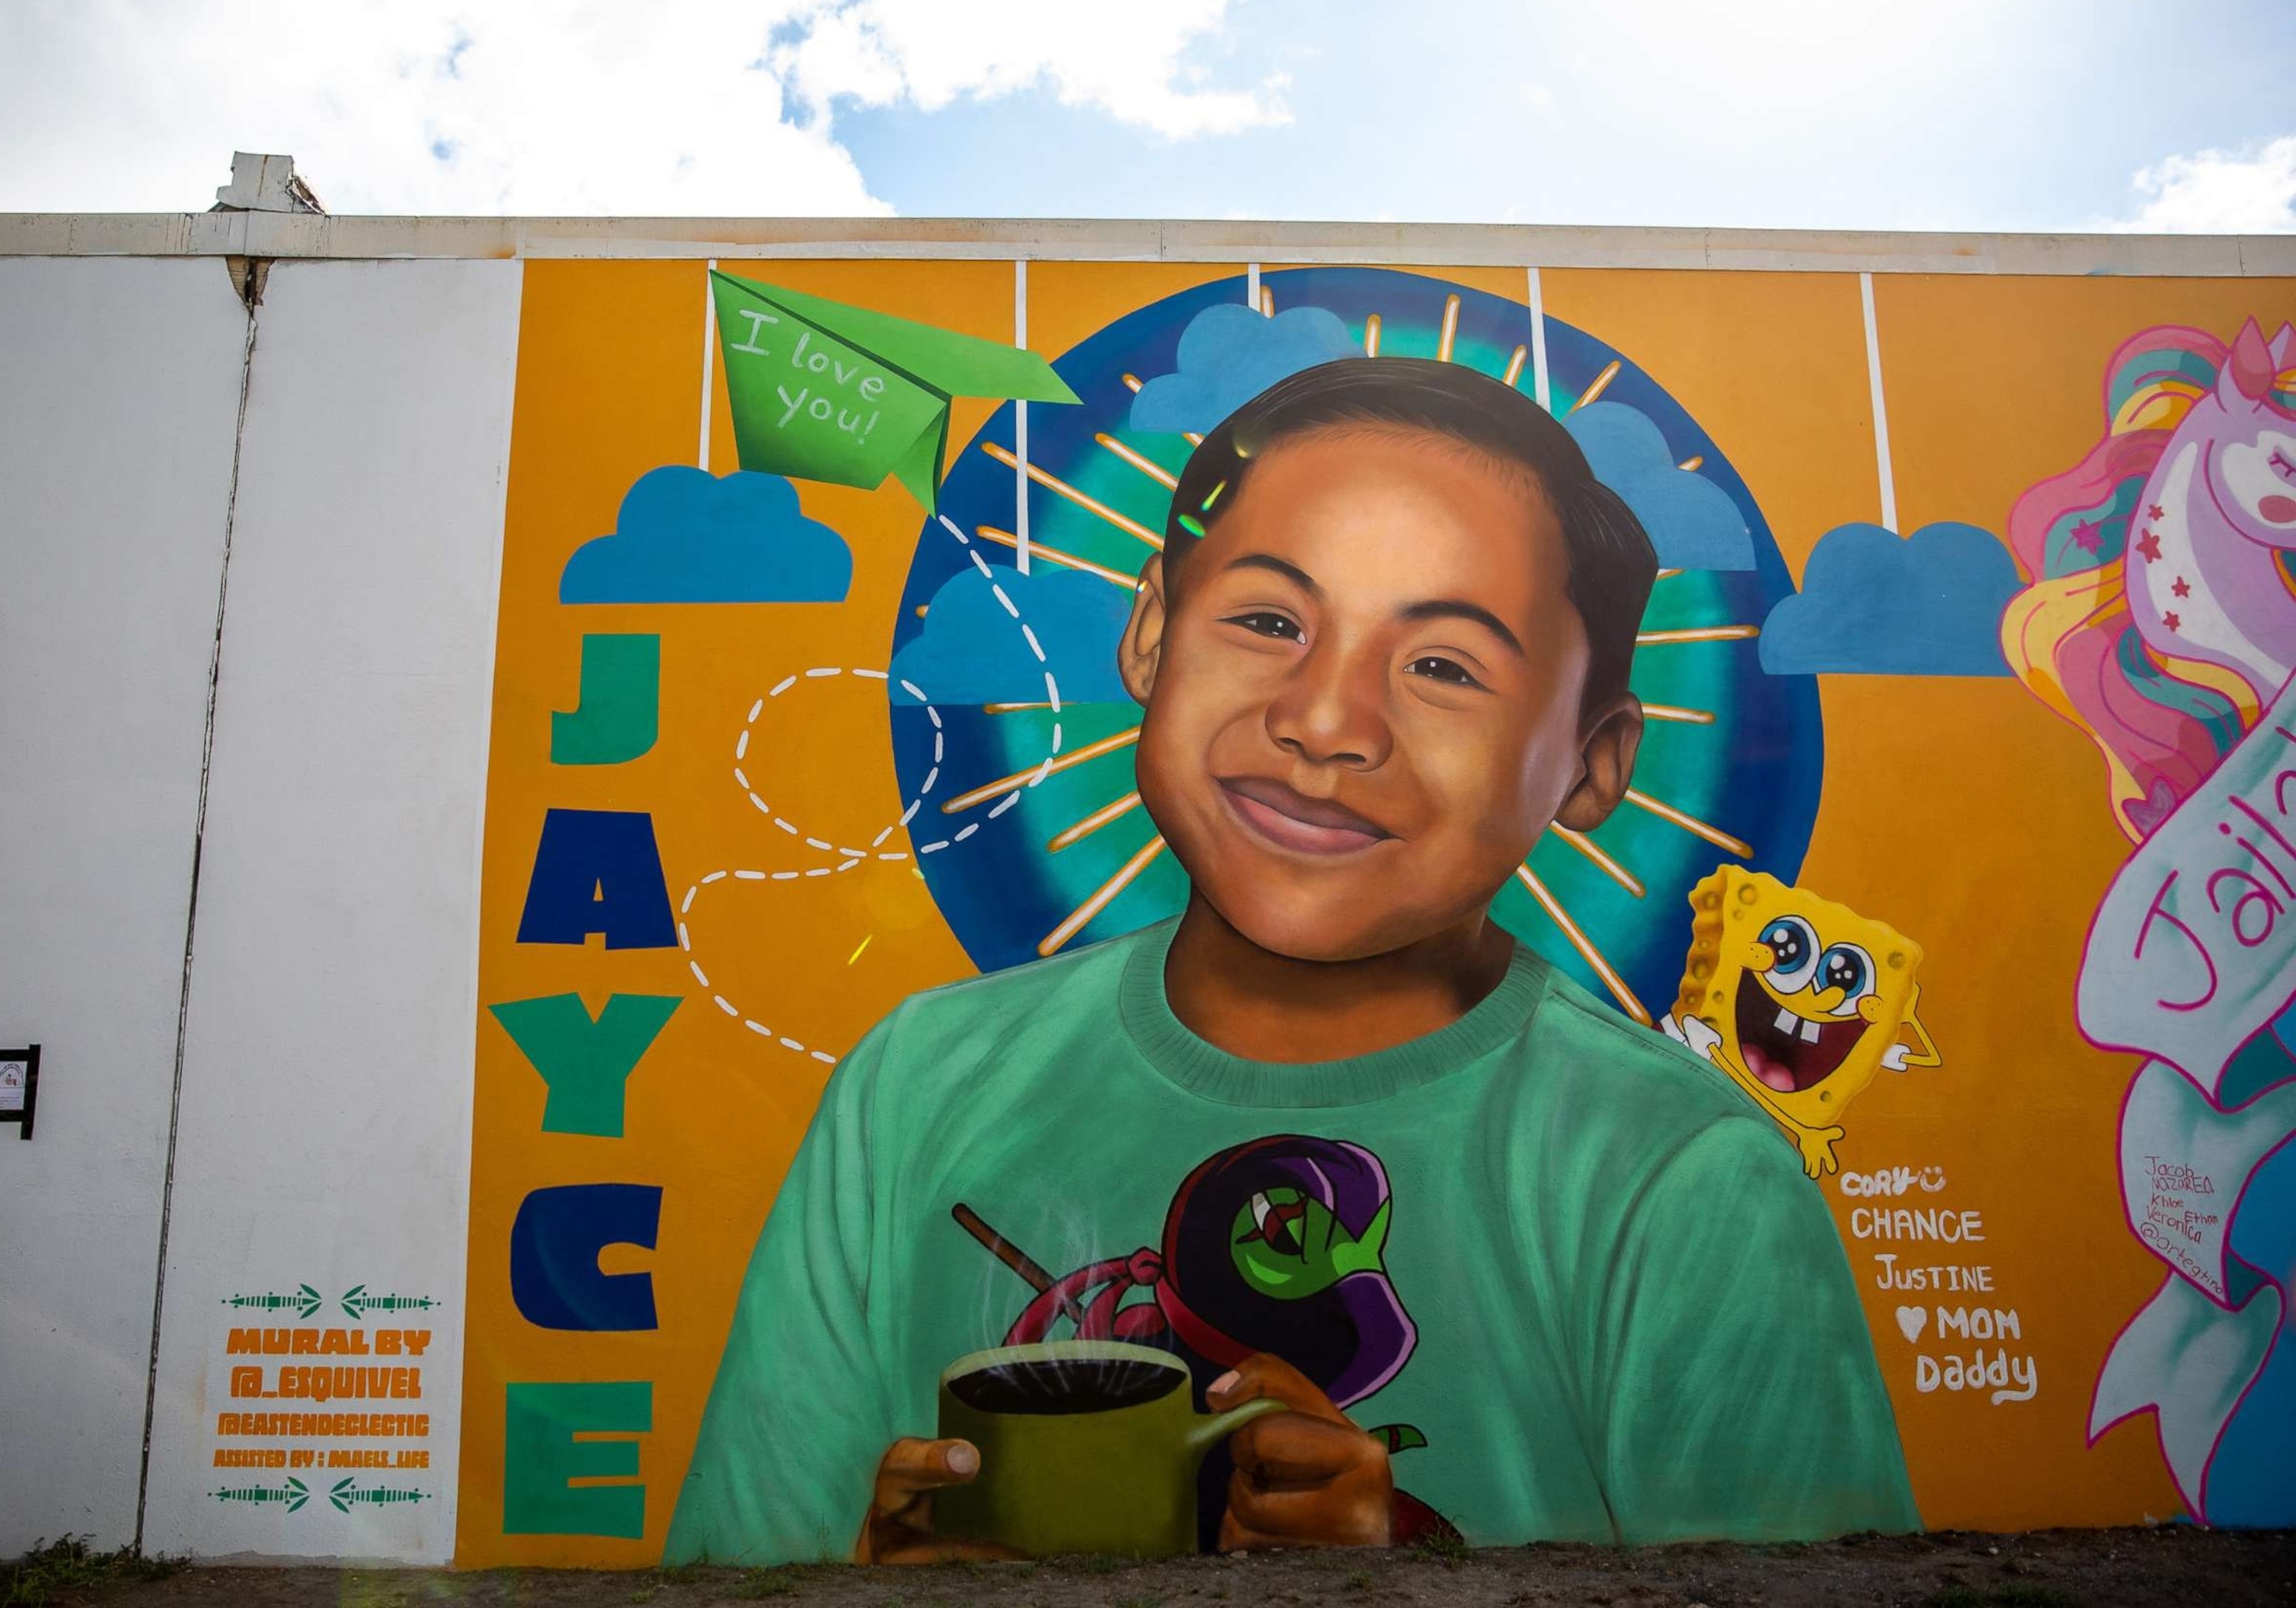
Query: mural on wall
(2162, 620)
(1322, 721)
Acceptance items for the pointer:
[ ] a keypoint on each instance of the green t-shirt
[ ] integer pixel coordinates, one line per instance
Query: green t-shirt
(1625, 1314)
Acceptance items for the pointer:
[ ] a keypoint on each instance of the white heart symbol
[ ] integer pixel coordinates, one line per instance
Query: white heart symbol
(1910, 1320)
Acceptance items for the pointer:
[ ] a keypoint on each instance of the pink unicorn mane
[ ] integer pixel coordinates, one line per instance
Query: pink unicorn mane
(2162, 725)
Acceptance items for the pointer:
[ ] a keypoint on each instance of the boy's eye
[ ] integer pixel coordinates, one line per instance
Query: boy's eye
(1437, 668)
(1266, 623)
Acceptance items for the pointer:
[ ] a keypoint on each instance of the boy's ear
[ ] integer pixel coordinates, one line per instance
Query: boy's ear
(1606, 756)
(1142, 647)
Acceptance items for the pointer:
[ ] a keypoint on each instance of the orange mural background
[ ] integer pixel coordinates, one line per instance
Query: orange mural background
(1960, 811)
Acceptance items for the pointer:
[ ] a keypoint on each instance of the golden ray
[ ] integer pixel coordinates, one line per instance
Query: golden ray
(1583, 945)
(1449, 337)
(1154, 471)
(1091, 505)
(1037, 549)
(1101, 895)
(1074, 756)
(920, 610)
(1371, 336)
(1692, 461)
(1691, 717)
(1514, 365)
(856, 955)
(1092, 822)
(1190, 436)
(1267, 302)
(1663, 574)
(1698, 634)
(1602, 383)
(1012, 708)
(1716, 835)
(1612, 869)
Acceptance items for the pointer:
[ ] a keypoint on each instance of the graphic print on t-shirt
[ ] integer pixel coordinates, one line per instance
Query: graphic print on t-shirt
(1275, 1245)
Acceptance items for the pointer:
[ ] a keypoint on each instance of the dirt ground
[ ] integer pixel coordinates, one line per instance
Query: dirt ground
(2172, 1565)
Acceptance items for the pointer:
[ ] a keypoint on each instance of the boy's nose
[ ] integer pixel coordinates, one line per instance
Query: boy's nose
(1332, 710)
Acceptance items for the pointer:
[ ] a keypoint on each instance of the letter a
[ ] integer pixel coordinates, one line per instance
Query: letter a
(617, 715)
(586, 1065)
(597, 871)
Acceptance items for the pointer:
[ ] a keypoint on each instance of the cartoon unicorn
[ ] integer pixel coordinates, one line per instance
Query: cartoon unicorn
(2161, 616)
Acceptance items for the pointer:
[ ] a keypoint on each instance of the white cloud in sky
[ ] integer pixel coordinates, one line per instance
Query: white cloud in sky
(1128, 58)
(550, 106)
(2219, 192)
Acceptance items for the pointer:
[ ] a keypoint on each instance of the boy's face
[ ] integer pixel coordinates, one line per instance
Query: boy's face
(1364, 703)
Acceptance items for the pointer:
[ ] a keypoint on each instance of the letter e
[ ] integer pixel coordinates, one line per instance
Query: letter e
(541, 1458)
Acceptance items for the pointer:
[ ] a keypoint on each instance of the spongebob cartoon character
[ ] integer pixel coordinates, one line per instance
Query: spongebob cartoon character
(1800, 1000)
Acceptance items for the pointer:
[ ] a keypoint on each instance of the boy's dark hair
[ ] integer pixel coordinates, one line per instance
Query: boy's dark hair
(1611, 562)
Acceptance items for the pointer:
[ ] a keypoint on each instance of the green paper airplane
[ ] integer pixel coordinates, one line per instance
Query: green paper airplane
(823, 391)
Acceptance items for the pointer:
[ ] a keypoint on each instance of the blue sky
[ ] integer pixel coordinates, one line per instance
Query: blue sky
(1955, 114)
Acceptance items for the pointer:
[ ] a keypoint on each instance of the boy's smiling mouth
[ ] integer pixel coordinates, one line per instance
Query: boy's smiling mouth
(1291, 819)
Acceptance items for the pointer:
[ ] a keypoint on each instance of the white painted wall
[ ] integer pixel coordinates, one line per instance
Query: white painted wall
(119, 396)
(327, 1082)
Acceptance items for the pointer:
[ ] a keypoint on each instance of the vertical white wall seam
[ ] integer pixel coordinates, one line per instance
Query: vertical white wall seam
(709, 348)
(191, 927)
(1021, 422)
(1881, 414)
(1538, 341)
(451, 1492)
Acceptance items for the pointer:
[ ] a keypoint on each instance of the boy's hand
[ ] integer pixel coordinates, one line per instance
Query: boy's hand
(898, 1529)
(1305, 1478)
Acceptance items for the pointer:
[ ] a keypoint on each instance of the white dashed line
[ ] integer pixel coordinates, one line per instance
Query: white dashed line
(853, 857)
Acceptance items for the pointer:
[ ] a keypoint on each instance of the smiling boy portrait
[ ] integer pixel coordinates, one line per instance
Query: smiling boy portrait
(1516, 1266)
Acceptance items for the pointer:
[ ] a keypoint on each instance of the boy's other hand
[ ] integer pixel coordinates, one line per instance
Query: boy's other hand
(898, 1529)
(1305, 1478)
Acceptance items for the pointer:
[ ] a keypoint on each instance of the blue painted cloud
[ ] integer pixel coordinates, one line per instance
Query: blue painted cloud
(1873, 604)
(972, 650)
(1691, 520)
(1228, 354)
(685, 536)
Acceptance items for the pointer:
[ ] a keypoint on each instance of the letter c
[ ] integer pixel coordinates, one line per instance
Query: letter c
(555, 1242)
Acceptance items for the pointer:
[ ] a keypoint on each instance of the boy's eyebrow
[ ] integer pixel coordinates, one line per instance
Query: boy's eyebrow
(1458, 609)
(1289, 571)
(1433, 608)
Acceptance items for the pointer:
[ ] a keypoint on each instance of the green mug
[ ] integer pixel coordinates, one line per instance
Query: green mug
(1086, 1446)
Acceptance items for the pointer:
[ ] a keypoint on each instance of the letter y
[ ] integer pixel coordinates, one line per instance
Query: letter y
(585, 1064)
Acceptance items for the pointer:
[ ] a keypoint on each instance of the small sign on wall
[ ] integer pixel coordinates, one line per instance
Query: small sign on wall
(20, 1086)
